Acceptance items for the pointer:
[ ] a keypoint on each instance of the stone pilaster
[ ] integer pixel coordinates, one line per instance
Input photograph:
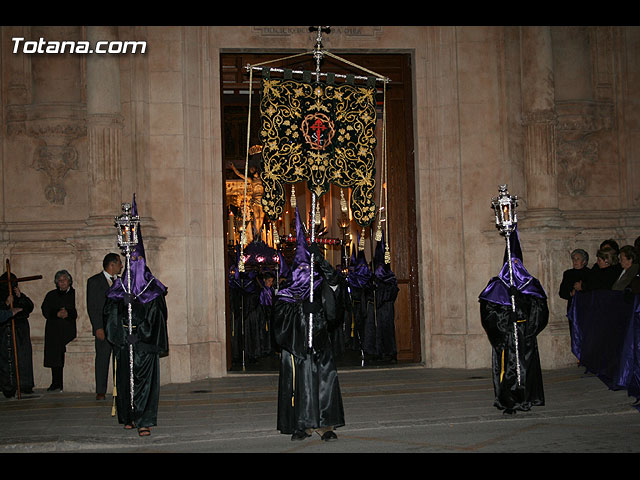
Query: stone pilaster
(539, 121)
(104, 129)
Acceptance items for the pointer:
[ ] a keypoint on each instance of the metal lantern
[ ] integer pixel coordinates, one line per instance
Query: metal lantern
(127, 225)
(505, 209)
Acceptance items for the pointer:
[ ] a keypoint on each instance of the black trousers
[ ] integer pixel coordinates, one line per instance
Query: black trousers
(56, 376)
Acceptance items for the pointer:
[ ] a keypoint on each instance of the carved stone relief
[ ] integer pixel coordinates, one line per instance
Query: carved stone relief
(53, 128)
(577, 144)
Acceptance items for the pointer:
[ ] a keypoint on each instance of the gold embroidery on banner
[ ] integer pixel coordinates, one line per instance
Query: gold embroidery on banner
(322, 134)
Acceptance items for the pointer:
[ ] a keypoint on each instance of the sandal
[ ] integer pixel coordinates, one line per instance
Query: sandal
(144, 431)
(129, 426)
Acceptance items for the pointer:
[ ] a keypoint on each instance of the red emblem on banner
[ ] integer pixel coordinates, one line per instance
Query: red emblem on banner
(318, 130)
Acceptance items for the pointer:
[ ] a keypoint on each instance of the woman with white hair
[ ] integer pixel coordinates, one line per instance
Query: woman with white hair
(59, 309)
(574, 278)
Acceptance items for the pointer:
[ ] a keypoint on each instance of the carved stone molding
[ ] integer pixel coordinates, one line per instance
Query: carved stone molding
(546, 116)
(584, 116)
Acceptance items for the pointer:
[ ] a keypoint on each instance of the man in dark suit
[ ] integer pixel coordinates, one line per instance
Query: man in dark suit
(97, 286)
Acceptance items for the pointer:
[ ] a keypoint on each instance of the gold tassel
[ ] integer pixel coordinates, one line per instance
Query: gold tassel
(293, 196)
(343, 202)
(318, 219)
(379, 232)
(276, 236)
(241, 264)
(361, 243)
(387, 254)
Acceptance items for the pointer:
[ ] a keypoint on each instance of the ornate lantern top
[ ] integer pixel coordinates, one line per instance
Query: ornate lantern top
(504, 206)
(127, 225)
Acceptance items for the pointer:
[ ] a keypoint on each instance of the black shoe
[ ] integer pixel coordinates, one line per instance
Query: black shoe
(329, 436)
(299, 435)
(53, 388)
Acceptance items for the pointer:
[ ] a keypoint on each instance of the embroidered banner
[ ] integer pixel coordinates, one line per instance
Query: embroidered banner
(321, 133)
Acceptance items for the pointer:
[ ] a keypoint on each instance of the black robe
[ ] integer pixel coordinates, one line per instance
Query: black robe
(385, 295)
(360, 306)
(8, 380)
(340, 332)
(58, 332)
(532, 314)
(150, 342)
(245, 317)
(308, 389)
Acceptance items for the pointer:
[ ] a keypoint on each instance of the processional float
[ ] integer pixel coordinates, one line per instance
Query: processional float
(504, 206)
(321, 132)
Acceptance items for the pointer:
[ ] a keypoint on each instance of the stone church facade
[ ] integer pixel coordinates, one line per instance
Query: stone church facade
(551, 111)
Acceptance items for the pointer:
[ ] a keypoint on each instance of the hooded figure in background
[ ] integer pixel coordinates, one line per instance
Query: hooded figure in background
(517, 375)
(8, 379)
(359, 280)
(309, 395)
(243, 292)
(149, 339)
(385, 294)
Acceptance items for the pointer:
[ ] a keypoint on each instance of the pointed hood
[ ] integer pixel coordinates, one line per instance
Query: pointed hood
(382, 270)
(497, 290)
(285, 271)
(359, 272)
(144, 286)
(300, 286)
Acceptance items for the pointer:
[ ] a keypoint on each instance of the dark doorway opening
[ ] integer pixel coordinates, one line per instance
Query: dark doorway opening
(401, 186)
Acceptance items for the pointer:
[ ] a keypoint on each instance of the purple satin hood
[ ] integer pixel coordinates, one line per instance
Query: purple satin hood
(144, 286)
(359, 275)
(300, 287)
(382, 271)
(497, 290)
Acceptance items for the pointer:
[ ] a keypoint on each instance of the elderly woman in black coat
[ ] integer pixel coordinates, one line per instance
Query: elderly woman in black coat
(59, 309)
(574, 279)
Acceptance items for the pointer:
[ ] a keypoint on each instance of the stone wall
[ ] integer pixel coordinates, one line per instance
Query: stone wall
(551, 111)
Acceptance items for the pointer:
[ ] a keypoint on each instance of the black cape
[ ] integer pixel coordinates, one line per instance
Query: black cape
(308, 389)
(58, 332)
(8, 380)
(532, 315)
(150, 342)
(382, 330)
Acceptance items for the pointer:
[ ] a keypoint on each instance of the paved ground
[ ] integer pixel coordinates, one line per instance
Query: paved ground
(388, 410)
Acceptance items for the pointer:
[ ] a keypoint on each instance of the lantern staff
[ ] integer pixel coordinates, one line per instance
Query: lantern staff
(504, 206)
(127, 226)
